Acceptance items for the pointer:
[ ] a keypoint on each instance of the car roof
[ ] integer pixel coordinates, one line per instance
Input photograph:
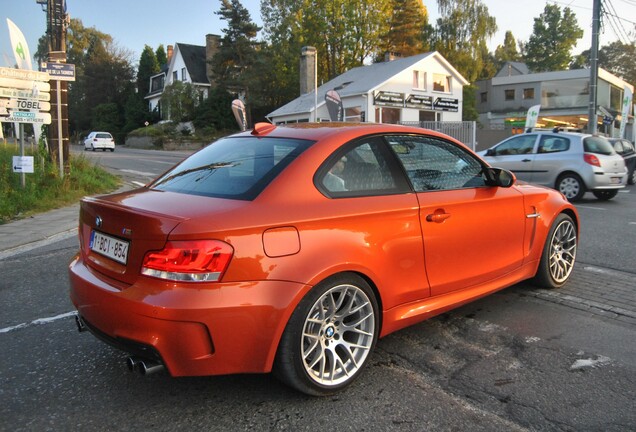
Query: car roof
(324, 130)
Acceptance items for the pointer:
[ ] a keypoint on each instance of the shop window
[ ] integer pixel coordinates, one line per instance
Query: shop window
(387, 115)
(509, 95)
(441, 83)
(353, 114)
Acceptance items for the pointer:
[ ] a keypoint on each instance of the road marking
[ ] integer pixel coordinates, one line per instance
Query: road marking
(141, 173)
(590, 208)
(38, 321)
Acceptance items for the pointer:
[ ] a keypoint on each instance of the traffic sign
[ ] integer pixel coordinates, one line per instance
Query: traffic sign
(24, 94)
(25, 104)
(23, 164)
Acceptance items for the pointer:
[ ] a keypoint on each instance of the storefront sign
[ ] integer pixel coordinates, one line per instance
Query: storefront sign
(419, 102)
(389, 99)
(446, 104)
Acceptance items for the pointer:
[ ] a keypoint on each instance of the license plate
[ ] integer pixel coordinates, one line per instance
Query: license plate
(110, 247)
(615, 180)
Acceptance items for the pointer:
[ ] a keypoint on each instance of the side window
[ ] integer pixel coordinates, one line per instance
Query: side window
(434, 164)
(358, 171)
(553, 144)
(522, 144)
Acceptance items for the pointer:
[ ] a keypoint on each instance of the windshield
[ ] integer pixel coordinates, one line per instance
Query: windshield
(598, 145)
(233, 167)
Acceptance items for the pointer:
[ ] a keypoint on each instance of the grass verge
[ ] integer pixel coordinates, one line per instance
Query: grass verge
(44, 189)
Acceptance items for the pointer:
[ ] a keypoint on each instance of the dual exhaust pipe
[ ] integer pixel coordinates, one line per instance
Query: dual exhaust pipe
(141, 365)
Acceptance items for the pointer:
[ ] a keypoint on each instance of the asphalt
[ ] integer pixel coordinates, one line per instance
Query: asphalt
(598, 291)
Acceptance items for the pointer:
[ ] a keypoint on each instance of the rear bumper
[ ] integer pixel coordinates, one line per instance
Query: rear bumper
(604, 181)
(193, 329)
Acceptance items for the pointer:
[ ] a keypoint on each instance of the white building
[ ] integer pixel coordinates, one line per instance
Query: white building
(424, 87)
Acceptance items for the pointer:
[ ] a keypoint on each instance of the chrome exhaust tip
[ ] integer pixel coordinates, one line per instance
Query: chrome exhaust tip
(133, 363)
(147, 367)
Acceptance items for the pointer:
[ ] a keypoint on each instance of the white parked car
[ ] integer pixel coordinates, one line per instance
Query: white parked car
(99, 140)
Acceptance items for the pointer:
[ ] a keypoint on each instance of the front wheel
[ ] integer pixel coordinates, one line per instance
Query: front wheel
(605, 195)
(631, 178)
(571, 185)
(329, 337)
(559, 254)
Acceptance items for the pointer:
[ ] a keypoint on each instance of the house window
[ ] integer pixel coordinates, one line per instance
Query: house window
(484, 97)
(183, 74)
(175, 76)
(419, 80)
(441, 83)
(528, 93)
(509, 94)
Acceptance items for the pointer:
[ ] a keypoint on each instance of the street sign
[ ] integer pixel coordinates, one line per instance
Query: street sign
(27, 117)
(59, 71)
(24, 94)
(23, 164)
(446, 104)
(25, 104)
(25, 84)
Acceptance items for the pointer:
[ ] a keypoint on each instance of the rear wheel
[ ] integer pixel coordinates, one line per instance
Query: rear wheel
(605, 195)
(329, 337)
(571, 185)
(631, 178)
(559, 254)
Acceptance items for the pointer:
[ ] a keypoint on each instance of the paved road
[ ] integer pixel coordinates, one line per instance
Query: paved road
(522, 359)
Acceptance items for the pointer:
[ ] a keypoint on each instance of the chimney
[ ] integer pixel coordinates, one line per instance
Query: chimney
(390, 56)
(212, 43)
(169, 54)
(307, 70)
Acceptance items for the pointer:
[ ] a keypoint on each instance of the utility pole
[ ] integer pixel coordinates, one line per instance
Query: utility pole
(56, 25)
(596, 23)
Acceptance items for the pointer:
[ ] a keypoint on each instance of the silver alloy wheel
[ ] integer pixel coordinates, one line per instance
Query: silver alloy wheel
(570, 187)
(338, 335)
(562, 251)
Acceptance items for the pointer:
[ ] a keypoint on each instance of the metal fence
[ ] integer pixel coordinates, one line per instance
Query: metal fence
(464, 131)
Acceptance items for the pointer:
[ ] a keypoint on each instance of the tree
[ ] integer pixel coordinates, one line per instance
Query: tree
(616, 57)
(462, 33)
(237, 47)
(179, 101)
(148, 66)
(214, 112)
(508, 51)
(554, 35)
(162, 57)
(406, 34)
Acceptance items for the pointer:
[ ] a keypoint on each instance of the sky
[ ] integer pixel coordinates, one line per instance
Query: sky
(135, 23)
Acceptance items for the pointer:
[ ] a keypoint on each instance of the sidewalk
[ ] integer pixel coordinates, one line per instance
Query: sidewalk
(25, 234)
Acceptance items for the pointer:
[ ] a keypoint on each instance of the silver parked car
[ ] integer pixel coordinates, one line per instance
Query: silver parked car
(569, 162)
(99, 140)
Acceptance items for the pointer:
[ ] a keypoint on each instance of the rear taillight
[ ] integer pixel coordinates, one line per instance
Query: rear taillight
(591, 159)
(189, 261)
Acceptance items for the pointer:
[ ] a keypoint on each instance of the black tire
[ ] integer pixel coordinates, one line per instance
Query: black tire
(112, 150)
(559, 254)
(571, 185)
(93, 147)
(605, 195)
(329, 337)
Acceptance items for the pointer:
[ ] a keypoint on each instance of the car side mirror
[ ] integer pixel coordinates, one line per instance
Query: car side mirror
(490, 152)
(499, 177)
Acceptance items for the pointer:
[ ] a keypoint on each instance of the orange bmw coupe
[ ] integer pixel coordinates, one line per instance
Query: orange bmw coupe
(292, 249)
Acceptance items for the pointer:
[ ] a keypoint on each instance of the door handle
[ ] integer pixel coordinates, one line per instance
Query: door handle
(438, 217)
(526, 160)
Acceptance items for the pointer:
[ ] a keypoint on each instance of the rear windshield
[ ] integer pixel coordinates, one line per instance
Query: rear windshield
(597, 145)
(233, 167)
(103, 135)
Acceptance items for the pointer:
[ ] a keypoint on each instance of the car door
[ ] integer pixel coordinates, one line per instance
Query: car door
(552, 158)
(472, 233)
(515, 154)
